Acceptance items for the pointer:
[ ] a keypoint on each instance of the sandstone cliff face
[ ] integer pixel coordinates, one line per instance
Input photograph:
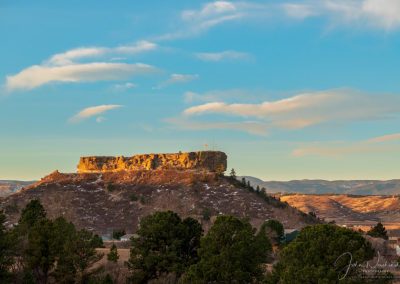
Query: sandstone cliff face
(209, 160)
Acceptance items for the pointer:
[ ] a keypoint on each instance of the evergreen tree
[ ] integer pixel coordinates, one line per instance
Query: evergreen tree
(52, 249)
(379, 231)
(231, 252)
(39, 257)
(117, 234)
(275, 231)
(6, 251)
(32, 213)
(165, 245)
(232, 174)
(321, 254)
(113, 254)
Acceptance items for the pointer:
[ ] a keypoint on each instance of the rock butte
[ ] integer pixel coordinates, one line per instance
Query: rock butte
(208, 160)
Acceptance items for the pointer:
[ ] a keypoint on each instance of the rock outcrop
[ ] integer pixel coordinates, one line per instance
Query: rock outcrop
(208, 160)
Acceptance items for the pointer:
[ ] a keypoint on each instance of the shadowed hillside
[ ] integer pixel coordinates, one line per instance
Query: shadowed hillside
(106, 201)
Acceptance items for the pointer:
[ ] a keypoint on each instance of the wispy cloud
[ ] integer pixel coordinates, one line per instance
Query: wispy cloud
(223, 55)
(380, 14)
(307, 109)
(364, 14)
(209, 15)
(385, 138)
(252, 127)
(38, 75)
(378, 144)
(93, 111)
(236, 95)
(177, 79)
(70, 56)
(65, 67)
(124, 86)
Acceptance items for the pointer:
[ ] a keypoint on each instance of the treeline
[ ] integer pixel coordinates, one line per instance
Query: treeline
(40, 250)
(169, 249)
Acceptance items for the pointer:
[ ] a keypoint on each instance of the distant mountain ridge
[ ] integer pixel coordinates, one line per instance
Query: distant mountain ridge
(356, 187)
(8, 187)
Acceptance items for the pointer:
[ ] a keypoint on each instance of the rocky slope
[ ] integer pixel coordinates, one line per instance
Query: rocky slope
(359, 187)
(208, 160)
(112, 200)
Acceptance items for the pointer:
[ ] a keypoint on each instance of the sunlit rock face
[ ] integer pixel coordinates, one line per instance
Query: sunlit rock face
(208, 160)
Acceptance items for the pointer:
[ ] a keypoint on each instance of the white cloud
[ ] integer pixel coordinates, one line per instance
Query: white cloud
(93, 111)
(38, 75)
(385, 138)
(339, 150)
(209, 15)
(65, 67)
(364, 14)
(177, 79)
(223, 55)
(252, 127)
(304, 110)
(378, 144)
(182, 78)
(70, 56)
(124, 86)
(381, 14)
(236, 95)
(298, 11)
(100, 119)
(309, 108)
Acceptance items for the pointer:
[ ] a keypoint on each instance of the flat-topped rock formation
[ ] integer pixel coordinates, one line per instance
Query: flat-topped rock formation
(209, 160)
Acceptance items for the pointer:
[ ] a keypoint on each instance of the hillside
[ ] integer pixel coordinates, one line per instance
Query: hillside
(350, 209)
(357, 187)
(8, 187)
(112, 200)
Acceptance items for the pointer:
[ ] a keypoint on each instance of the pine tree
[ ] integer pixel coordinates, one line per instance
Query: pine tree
(6, 251)
(113, 254)
(233, 174)
(379, 231)
(231, 252)
(32, 213)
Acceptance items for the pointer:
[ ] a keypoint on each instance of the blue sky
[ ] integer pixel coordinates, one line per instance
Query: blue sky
(288, 89)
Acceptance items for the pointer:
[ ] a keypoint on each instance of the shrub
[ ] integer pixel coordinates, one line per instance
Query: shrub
(133, 197)
(117, 234)
(206, 214)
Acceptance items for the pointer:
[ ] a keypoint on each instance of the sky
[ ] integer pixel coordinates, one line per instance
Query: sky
(305, 89)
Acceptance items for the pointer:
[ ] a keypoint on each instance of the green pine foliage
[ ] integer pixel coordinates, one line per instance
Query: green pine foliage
(166, 244)
(378, 231)
(274, 230)
(51, 251)
(321, 254)
(6, 251)
(169, 249)
(231, 252)
(117, 234)
(113, 254)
